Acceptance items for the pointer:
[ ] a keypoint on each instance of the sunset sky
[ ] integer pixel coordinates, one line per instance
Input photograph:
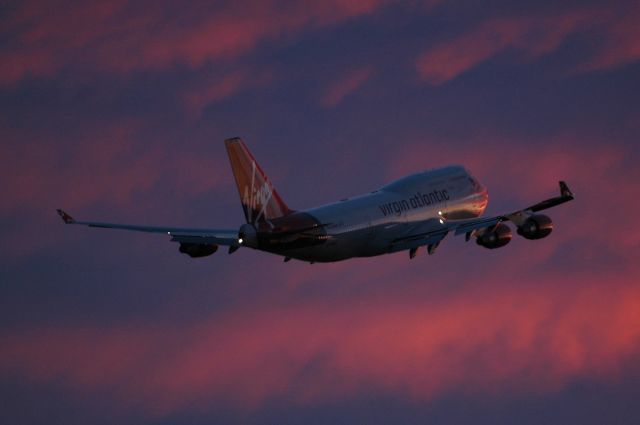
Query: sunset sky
(117, 111)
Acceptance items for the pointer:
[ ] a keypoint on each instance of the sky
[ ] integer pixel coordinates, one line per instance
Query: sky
(117, 111)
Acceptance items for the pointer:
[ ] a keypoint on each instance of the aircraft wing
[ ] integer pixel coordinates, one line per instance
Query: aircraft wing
(469, 226)
(431, 232)
(227, 237)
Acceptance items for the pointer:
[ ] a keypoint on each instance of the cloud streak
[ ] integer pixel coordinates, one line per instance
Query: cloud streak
(533, 339)
(124, 36)
(533, 37)
(103, 163)
(346, 85)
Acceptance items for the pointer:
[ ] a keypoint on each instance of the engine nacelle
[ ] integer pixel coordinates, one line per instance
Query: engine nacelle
(248, 236)
(499, 237)
(536, 227)
(197, 250)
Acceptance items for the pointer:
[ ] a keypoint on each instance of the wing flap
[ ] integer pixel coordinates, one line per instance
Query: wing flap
(205, 240)
(430, 232)
(471, 225)
(432, 239)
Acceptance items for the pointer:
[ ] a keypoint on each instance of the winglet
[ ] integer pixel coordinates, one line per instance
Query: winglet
(564, 190)
(65, 217)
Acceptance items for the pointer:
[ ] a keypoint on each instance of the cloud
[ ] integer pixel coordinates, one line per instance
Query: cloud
(346, 85)
(490, 339)
(621, 43)
(535, 36)
(100, 162)
(219, 87)
(123, 36)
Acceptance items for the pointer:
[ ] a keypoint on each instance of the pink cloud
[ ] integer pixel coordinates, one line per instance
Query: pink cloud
(123, 36)
(447, 60)
(106, 167)
(218, 88)
(346, 85)
(487, 339)
(621, 45)
(534, 36)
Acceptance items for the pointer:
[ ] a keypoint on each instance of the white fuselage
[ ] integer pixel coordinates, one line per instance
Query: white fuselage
(366, 225)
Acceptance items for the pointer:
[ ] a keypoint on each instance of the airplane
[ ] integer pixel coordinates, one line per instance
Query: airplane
(415, 211)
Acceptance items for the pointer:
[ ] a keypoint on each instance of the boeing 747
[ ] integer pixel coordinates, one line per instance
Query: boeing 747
(416, 211)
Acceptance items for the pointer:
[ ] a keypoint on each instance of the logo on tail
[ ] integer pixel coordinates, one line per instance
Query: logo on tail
(259, 198)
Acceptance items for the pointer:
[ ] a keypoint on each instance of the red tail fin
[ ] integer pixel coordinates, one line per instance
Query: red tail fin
(259, 198)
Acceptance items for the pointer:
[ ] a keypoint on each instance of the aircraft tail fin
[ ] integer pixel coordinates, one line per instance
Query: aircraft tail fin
(259, 198)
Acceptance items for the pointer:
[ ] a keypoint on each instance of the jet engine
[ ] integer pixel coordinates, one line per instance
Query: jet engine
(536, 227)
(197, 250)
(499, 237)
(248, 236)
